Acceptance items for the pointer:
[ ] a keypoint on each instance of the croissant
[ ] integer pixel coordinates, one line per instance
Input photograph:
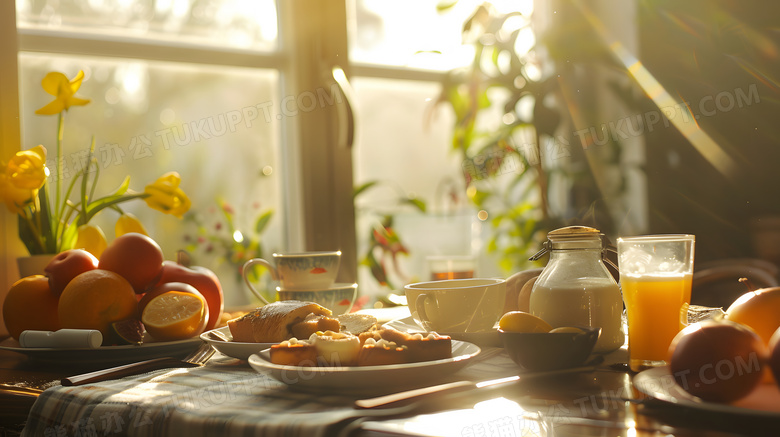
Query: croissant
(273, 323)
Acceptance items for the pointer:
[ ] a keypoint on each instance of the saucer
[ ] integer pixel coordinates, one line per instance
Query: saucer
(331, 287)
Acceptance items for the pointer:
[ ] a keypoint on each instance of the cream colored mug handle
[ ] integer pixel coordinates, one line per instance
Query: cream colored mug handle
(419, 303)
(248, 265)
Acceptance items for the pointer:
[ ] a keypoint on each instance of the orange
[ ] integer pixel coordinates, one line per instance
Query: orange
(175, 315)
(95, 299)
(136, 258)
(718, 361)
(760, 311)
(30, 304)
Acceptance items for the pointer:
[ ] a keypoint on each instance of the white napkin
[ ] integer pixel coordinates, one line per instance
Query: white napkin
(62, 339)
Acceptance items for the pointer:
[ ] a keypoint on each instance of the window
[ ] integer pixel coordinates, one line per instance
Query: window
(239, 97)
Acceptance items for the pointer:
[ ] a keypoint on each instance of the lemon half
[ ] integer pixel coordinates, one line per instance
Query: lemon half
(520, 321)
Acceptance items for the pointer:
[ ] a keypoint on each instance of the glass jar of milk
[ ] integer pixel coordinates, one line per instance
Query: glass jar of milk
(576, 289)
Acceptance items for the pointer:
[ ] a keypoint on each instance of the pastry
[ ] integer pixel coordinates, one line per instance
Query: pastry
(273, 323)
(422, 347)
(294, 352)
(313, 323)
(336, 348)
(356, 324)
(429, 346)
(382, 352)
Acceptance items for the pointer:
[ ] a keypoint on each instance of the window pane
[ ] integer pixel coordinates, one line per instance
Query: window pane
(414, 33)
(241, 24)
(149, 118)
(404, 145)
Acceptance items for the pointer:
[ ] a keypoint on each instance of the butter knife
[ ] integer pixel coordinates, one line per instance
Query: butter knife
(421, 394)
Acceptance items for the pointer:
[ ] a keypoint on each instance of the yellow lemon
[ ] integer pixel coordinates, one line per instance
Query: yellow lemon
(567, 329)
(519, 321)
(92, 239)
(127, 223)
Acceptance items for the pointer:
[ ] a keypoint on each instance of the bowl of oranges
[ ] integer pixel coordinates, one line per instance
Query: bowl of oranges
(535, 345)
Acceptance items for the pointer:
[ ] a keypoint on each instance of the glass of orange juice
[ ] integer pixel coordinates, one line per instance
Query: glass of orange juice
(655, 278)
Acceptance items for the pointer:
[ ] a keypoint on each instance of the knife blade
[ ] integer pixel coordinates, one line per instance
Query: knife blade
(425, 393)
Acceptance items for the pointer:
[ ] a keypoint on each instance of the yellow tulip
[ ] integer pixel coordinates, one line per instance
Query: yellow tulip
(129, 223)
(15, 198)
(27, 169)
(92, 239)
(63, 90)
(166, 196)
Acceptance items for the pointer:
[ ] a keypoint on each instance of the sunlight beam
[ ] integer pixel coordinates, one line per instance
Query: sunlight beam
(701, 141)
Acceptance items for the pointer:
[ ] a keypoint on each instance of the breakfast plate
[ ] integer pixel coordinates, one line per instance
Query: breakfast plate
(483, 339)
(659, 383)
(366, 378)
(231, 348)
(105, 355)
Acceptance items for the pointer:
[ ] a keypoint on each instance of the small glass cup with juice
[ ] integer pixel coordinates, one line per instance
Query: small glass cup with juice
(655, 277)
(443, 267)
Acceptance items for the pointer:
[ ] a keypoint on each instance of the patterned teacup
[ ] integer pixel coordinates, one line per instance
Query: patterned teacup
(338, 298)
(298, 271)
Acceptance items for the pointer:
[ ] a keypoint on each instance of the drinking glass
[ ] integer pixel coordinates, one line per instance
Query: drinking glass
(655, 277)
(451, 267)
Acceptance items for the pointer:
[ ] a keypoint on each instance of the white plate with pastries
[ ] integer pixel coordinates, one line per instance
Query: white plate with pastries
(285, 319)
(222, 340)
(358, 379)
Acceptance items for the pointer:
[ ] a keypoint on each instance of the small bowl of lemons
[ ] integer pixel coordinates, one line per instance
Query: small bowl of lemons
(535, 345)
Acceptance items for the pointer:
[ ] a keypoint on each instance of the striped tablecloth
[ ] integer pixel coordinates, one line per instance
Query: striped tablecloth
(225, 397)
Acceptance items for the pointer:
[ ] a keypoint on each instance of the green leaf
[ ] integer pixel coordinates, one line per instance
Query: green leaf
(417, 203)
(480, 197)
(47, 228)
(445, 5)
(107, 202)
(361, 188)
(69, 236)
(123, 187)
(30, 238)
(262, 222)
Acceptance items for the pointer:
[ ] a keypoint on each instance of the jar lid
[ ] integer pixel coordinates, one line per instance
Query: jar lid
(567, 233)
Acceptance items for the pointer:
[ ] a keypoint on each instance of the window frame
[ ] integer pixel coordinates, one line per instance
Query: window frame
(318, 176)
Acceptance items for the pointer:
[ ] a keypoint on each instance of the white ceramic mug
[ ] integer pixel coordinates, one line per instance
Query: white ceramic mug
(298, 271)
(457, 305)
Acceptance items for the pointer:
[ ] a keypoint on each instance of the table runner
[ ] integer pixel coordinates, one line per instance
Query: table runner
(225, 397)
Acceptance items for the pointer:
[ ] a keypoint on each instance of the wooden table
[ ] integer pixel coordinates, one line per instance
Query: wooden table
(599, 403)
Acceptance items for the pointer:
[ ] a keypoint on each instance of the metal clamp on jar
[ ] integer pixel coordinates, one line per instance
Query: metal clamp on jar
(576, 289)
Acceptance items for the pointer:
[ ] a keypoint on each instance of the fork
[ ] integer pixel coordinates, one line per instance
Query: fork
(197, 358)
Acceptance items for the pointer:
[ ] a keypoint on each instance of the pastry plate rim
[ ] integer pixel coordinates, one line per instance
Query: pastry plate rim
(366, 377)
(233, 349)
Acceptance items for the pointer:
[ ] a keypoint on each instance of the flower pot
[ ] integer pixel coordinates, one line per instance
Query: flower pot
(33, 265)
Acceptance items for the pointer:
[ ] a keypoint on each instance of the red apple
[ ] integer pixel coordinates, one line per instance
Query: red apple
(136, 258)
(66, 266)
(204, 280)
